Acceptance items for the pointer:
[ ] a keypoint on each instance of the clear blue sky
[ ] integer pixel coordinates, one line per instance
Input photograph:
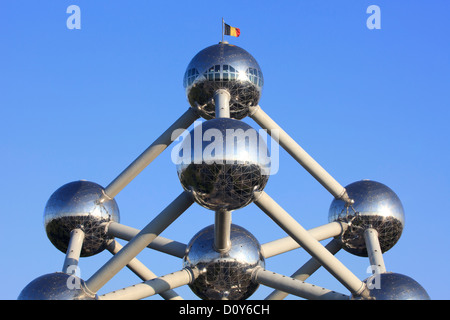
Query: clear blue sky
(366, 104)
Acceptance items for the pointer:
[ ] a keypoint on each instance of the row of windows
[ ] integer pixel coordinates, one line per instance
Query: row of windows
(223, 73)
(255, 76)
(216, 74)
(190, 76)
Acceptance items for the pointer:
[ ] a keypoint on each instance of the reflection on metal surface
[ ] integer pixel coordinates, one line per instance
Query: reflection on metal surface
(393, 286)
(224, 174)
(376, 206)
(223, 66)
(76, 205)
(224, 165)
(224, 275)
(56, 286)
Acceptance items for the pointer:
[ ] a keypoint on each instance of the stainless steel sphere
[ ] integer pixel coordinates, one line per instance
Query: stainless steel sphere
(224, 275)
(56, 286)
(376, 206)
(223, 66)
(77, 205)
(393, 286)
(225, 171)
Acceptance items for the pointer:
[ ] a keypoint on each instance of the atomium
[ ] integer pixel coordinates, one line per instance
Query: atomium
(224, 172)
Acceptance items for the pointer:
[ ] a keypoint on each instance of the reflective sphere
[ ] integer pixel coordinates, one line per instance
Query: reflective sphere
(223, 169)
(223, 66)
(224, 275)
(56, 286)
(393, 286)
(376, 206)
(77, 205)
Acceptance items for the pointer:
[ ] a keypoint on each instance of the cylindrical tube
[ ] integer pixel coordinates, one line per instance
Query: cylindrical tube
(300, 155)
(311, 245)
(222, 102)
(142, 271)
(306, 270)
(73, 251)
(222, 231)
(149, 154)
(286, 244)
(161, 244)
(295, 287)
(152, 287)
(374, 251)
(139, 242)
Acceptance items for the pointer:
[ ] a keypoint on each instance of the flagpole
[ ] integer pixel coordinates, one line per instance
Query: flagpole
(222, 29)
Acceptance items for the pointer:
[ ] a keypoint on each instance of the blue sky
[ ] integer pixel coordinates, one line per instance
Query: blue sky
(366, 104)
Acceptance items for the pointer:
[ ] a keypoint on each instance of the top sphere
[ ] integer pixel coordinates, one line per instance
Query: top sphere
(375, 206)
(77, 205)
(223, 66)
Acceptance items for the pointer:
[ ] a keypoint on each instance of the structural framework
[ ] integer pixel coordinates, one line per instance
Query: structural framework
(223, 165)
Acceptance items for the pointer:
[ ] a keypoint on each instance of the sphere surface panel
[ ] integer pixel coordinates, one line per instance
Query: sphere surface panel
(376, 206)
(224, 172)
(223, 66)
(56, 286)
(394, 286)
(224, 275)
(77, 205)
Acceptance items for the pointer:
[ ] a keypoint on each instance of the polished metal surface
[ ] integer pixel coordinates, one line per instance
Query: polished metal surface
(376, 206)
(393, 286)
(223, 66)
(76, 205)
(223, 172)
(224, 165)
(56, 286)
(224, 275)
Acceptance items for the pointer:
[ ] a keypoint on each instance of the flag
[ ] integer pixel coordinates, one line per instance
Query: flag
(231, 31)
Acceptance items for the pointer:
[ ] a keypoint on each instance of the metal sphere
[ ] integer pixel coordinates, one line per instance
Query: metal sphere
(223, 66)
(77, 205)
(56, 286)
(224, 275)
(375, 206)
(393, 286)
(223, 172)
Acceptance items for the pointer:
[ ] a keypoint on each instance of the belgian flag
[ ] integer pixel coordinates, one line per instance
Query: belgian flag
(231, 31)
